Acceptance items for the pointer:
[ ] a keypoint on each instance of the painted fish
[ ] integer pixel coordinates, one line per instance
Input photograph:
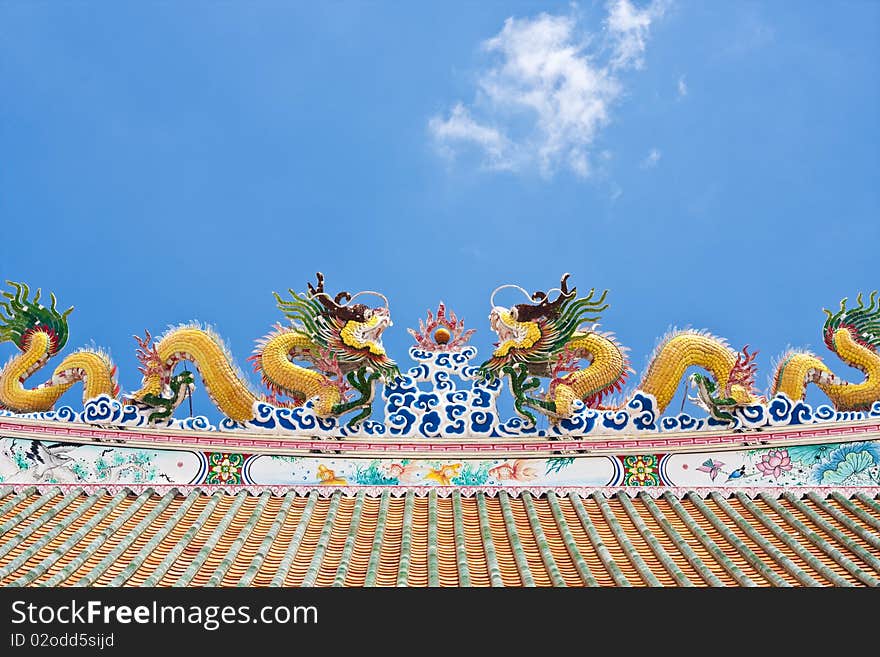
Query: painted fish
(519, 470)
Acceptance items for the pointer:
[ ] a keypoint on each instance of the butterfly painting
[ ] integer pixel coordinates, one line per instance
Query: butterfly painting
(712, 467)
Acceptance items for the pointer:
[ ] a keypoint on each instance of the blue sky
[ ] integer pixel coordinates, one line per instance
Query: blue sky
(712, 164)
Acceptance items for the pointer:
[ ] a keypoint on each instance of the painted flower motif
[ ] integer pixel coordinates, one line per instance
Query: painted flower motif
(641, 471)
(853, 465)
(774, 462)
(224, 468)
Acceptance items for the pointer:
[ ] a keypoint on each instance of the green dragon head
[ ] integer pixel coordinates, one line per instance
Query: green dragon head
(536, 333)
(349, 333)
(21, 317)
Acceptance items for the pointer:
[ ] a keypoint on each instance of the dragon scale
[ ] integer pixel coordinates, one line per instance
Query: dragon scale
(681, 351)
(796, 370)
(224, 383)
(94, 369)
(607, 366)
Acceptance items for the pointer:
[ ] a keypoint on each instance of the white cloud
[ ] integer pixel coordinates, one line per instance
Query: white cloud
(545, 97)
(629, 29)
(461, 127)
(682, 87)
(652, 159)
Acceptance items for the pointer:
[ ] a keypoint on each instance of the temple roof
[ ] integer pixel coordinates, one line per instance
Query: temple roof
(145, 537)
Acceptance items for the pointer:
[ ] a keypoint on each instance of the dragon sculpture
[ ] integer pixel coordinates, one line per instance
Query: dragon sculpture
(549, 338)
(340, 340)
(330, 352)
(40, 333)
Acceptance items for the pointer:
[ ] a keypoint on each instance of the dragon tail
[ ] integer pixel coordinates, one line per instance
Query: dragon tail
(225, 384)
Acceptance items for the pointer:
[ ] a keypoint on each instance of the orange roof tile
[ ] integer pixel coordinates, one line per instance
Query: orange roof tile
(93, 537)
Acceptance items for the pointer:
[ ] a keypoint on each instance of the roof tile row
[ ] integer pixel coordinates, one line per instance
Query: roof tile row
(84, 537)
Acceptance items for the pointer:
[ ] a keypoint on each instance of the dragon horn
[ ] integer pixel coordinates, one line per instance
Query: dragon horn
(563, 283)
(314, 291)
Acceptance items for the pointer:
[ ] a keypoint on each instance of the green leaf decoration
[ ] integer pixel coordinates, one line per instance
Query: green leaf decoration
(558, 463)
(854, 464)
(471, 475)
(372, 475)
(809, 454)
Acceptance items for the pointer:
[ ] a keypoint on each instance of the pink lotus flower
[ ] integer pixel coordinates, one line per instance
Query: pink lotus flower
(774, 462)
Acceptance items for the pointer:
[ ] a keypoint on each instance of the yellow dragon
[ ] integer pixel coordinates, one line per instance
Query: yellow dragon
(341, 343)
(544, 338)
(40, 332)
(341, 340)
